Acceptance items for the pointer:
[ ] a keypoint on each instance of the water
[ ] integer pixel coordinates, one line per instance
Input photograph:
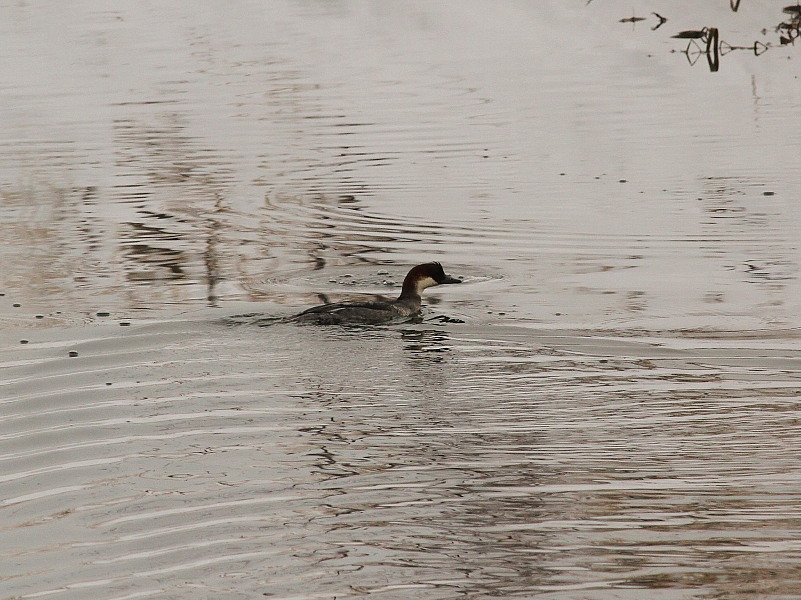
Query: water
(616, 417)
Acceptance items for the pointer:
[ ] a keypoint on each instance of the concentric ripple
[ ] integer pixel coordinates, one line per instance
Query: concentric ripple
(255, 460)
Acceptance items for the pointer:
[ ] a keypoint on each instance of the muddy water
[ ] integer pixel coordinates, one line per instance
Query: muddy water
(617, 414)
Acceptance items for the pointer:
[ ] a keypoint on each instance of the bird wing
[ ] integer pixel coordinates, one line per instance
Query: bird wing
(336, 307)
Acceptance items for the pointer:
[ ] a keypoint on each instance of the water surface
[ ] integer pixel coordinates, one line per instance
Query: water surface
(617, 414)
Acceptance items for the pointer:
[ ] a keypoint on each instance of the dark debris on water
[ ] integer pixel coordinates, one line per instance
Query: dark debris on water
(788, 30)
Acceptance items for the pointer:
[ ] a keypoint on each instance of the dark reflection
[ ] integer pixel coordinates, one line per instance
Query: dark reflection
(211, 253)
(427, 344)
(160, 262)
(660, 21)
(706, 41)
(710, 37)
(692, 34)
(712, 53)
(325, 459)
(632, 19)
(757, 48)
(790, 28)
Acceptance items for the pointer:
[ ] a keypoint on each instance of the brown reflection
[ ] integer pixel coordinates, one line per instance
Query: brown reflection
(158, 262)
(211, 253)
(53, 240)
(176, 188)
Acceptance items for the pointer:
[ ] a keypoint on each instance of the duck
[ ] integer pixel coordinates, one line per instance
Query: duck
(407, 305)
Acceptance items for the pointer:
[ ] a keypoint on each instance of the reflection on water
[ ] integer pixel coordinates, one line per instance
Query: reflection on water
(388, 462)
(606, 408)
(177, 191)
(712, 47)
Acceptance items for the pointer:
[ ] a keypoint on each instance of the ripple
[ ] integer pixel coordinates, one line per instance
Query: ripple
(242, 455)
(614, 411)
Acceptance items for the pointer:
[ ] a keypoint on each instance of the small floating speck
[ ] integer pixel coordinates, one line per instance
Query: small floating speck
(73, 354)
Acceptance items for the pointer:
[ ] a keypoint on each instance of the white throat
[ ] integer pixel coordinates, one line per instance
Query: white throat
(425, 282)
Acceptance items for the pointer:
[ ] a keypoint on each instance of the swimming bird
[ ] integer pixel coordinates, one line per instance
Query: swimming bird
(407, 305)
